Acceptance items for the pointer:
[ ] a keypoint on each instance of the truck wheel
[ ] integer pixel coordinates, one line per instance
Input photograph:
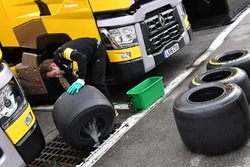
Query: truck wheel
(212, 118)
(85, 118)
(238, 58)
(224, 75)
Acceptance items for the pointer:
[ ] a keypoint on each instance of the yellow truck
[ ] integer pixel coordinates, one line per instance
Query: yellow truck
(138, 34)
(21, 137)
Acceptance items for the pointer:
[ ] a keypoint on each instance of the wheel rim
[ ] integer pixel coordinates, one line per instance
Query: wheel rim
(216, 76)
(231, 56)
(92, 129)
(206, 94)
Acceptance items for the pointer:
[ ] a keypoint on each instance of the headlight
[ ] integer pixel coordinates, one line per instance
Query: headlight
(8, 102)
(119, 38)
(11, 103)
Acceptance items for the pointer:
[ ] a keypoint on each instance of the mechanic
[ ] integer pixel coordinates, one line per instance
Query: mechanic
(90, 55)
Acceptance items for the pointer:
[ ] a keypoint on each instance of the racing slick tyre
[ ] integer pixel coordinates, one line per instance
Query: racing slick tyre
(224, 75)
(212, 118)
(238, 58)
(84, 118)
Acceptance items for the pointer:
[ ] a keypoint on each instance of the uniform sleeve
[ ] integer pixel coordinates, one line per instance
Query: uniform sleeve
(58, 56)
(81, 60)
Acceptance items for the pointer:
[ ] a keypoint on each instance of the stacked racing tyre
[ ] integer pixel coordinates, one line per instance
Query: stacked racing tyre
(238, 58)
(212, 118)
(224, 75)
(85, 118)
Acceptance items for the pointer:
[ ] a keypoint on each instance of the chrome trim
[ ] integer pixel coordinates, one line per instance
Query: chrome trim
(148, 60)
(5, 75)
(185, 33)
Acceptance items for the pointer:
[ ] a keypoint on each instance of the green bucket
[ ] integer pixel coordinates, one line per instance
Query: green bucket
(146, 93)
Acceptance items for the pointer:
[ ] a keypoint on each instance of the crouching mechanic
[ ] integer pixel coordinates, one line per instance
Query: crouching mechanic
(90, 55)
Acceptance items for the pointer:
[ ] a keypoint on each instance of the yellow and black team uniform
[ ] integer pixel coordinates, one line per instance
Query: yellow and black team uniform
(90, 55)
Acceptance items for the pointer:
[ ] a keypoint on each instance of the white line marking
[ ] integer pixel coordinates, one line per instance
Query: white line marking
(117, 106)
(131, 121)
(174, 83)
(44, 107)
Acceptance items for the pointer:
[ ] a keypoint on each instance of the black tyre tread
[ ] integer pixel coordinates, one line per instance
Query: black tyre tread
(216, 126)
(70, 110)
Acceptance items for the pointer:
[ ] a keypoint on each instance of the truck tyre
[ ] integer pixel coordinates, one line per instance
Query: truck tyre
(238, 58)
(75, 116)
(224, 75)
(212, 118)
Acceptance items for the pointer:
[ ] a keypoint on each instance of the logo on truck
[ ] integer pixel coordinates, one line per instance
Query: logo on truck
(161, 20)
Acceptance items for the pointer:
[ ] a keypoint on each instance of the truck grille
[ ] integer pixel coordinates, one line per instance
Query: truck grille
(163, 27)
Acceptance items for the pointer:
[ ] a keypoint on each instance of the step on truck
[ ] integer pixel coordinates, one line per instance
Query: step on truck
(138, 34)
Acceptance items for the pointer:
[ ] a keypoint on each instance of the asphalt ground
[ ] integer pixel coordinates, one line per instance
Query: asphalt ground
(154, 140)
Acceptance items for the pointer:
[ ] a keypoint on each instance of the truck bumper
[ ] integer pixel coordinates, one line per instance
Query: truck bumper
(129, 70)
(159, 25)
(31, 145)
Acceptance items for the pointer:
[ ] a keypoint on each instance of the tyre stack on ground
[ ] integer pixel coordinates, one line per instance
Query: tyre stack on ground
(212, 117)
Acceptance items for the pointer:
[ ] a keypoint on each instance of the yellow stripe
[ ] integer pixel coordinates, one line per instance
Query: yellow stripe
(13, 69)
(18, 129)
(195, 83)
(186, 22)
(118, 55)
(75, 66)
(216, 63)
(1, 55)
(67, 52)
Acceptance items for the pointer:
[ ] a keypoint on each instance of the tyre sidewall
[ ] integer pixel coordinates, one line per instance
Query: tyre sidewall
(238, 76)
(213, 127)
(71, 133)
(242, 62)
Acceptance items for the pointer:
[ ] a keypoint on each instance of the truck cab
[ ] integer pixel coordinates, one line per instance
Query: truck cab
(138, 34)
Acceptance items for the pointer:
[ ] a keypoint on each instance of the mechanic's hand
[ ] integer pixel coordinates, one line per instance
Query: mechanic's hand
(76, 86)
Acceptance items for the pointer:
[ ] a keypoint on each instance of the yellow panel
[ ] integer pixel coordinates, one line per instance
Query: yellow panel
(7, 36)
(18, 129)
(116, 55)
(186, 22)
(73, 18)
(20, 12)
(107, 5)
(54, 5)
